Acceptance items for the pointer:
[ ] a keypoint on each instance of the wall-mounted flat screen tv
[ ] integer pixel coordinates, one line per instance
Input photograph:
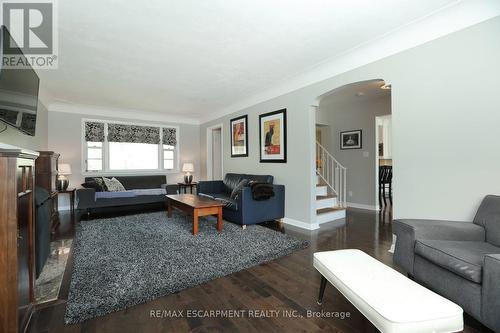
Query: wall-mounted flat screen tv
(18, 91)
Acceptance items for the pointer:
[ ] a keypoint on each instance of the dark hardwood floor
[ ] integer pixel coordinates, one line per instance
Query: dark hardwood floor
(288, 284)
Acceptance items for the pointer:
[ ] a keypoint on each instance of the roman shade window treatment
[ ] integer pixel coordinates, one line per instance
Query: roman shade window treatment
(133, 134)
(94, 132)
(169, 136)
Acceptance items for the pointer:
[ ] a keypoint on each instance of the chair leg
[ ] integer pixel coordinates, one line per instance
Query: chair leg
(380, 195)
(383, 194)
(243, 226)
(321, 290)
(390, 192)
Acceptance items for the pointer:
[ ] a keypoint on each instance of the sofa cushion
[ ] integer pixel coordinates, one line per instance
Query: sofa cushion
(231, 180)
(227, 201)
(488, 216)
(463, 258)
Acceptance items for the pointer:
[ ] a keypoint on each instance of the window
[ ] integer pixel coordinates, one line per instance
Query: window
(168, 157)
(133, 156)
(94, 156)
(114, 147)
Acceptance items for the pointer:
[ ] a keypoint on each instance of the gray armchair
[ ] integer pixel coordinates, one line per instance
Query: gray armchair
(459, 260)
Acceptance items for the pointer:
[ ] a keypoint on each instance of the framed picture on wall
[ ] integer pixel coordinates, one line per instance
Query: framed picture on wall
(272, 137)
(239, 136)
(351, 139)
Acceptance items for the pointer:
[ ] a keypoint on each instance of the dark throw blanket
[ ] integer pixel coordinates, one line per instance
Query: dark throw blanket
(261, 190)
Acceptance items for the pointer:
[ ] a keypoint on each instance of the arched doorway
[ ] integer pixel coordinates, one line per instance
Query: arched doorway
(353, 126)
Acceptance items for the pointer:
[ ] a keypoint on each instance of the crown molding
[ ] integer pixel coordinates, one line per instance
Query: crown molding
(89, 110)
(452, 18)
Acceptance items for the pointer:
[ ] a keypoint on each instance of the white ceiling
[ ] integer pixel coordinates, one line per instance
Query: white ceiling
(192, 58)
(355, 92)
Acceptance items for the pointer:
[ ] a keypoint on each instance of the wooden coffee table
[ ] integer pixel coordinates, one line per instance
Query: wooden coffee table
(195, 206)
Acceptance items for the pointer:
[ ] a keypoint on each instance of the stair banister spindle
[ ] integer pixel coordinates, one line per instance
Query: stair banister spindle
(332, 173)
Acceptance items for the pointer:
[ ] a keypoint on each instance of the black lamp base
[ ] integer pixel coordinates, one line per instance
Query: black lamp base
(62, 184)
(188, 179)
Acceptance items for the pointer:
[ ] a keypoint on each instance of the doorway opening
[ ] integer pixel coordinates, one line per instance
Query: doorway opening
(215, 152)
(352, 123)
(383, 159)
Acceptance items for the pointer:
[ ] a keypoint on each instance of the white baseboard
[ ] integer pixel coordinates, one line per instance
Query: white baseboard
(300, 224)
(362, 206)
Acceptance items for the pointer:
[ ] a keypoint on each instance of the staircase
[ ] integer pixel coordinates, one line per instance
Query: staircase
(331, 185)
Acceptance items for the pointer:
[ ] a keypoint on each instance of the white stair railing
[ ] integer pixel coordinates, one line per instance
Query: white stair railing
(332, 173)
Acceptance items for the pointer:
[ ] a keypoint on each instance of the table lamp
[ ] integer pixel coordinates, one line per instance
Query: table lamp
(63, 181)
(188, 168)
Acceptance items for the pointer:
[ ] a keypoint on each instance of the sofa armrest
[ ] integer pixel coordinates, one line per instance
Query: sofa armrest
(490, 305)
(409, 230)
(256, 211)
(85, 198)
(170, 188)
(210, 186)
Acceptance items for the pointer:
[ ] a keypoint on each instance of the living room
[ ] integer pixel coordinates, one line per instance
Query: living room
(167, 176)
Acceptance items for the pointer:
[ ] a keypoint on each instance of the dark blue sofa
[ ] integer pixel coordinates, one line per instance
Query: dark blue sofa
(245, 210)
(88, 201)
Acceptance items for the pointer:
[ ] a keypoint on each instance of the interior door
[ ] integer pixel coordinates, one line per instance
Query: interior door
(216, 154)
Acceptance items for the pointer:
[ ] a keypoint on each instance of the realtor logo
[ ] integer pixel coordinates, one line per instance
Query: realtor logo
(32, 27)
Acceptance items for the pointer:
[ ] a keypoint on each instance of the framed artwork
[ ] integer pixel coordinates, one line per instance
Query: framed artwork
(239, 136)
(351, 139)
(272, 137)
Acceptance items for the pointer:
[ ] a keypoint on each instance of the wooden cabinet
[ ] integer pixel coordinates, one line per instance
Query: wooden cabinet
(17, 183)
(46, 175)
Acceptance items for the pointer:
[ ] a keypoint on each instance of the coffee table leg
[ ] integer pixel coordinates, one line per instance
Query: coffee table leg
(169, 208)
(195, 222)
(219, 219)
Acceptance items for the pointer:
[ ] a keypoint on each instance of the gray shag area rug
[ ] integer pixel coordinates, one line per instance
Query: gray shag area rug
(123, 261)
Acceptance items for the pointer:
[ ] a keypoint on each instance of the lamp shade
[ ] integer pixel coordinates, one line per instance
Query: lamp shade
(64, 169)
(188, 167)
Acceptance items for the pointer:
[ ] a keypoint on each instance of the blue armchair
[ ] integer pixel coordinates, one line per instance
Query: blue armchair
(244, 209)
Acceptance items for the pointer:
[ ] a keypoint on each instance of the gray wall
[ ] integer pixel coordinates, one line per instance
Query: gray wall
(65, 135)
(38, 142)
(445, 116)
(358, 113)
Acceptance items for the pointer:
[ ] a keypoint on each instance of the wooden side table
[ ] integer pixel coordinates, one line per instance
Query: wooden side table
(72, 193)
(184, 186)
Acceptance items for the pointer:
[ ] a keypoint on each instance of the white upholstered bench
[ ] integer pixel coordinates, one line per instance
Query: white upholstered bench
(387, 298)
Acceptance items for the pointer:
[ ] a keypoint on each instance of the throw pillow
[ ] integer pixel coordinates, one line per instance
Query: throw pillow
(94, 185)
(100, 184)
(237, 190)
(113, 185)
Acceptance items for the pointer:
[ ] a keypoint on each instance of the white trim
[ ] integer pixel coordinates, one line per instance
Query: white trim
(449, 19)
(300, 224)
(377, 161)
(105, 150)
(313, 176)
(362, 206)
(120, 113)
(209, 148)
